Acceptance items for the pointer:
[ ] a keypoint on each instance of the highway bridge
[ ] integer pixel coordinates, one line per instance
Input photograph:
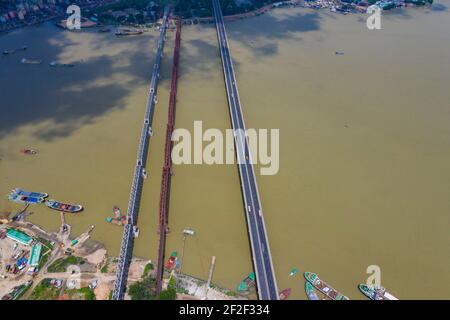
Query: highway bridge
(262, 260)
(126, 248)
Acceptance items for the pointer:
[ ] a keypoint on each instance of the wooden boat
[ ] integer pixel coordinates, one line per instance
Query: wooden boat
(64, 207)
(172, 261)
(30, 152)
(128, 32)
(285, 294)
(310, 291)
(323, 287)
(293, 272)
(22, 192)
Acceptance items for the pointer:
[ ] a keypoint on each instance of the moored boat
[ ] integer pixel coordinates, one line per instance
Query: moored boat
(30, 61)
(376, 294)
(310, 291)
(172, 261)
(56, 205)
(24, 199)
(28, 151)
(22, 192)
(247, 283)
(128, 32)
(56, 64)
(323, 287)
(285, 294)
(293, 272)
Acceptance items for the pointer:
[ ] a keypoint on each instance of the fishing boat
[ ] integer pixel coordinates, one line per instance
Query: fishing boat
(128, 32)
(376, 294)
(172, 261)
(64, 207)
(323, 287)
(30, 152)
(6, 52)
(29, 61)
(24, 199)
(310, 291)
(56, 64)
(22, 192)
(247, 283)
(285, 294)
(293, 272)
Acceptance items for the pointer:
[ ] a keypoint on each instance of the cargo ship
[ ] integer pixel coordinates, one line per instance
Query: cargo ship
(24, 199)
(172, 261)
(375, 294)
(22, 192)
(64, 207)
(323, 287)
(310, 291)
(128, 32)
(285, 294)
(246, 284)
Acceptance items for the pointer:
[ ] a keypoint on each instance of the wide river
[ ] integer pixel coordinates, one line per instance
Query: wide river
(364, 173)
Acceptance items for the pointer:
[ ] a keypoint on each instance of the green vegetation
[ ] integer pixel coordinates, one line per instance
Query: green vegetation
(104, 269)
(21, 290)
(44, 259)
(61, 265)
(85, 293)
(170, 293)
(110, 295)
(142, 290)
(148, 267)
(45, 291)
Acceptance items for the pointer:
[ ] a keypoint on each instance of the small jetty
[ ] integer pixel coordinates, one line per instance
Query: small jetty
(323, 287)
